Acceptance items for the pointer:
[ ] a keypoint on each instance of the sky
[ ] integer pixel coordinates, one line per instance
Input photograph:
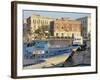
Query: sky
(54, 14)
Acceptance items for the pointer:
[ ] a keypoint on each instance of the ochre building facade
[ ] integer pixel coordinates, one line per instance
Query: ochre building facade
(65, 28)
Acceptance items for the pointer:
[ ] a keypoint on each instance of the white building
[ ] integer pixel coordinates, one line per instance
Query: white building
(85, 26)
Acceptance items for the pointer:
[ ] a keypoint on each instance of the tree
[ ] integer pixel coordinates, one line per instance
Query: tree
(42, 32)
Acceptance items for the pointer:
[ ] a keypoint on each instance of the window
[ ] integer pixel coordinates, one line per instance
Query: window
(57, 27)
(62, 27)
(34, 27)
(34, 21)
(39, 21)
(56, 34)
(62, 34)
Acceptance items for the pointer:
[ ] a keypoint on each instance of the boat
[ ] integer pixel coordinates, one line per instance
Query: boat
(78, 43)
(40, 51)
(75, 47)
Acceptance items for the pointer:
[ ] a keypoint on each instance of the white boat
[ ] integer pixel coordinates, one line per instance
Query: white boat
(77, 42)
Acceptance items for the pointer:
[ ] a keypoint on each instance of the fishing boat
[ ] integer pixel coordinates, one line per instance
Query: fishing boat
(43, 56)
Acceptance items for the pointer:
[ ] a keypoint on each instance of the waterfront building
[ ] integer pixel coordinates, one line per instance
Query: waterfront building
(85, 26)
(65, 28)
(38, 26)
(25, 31)
(37, 21)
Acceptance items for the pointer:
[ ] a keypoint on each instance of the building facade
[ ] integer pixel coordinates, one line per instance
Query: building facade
(85, 26)
(37, 21)
(25, 30)
(65, 28)
(38, 26)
